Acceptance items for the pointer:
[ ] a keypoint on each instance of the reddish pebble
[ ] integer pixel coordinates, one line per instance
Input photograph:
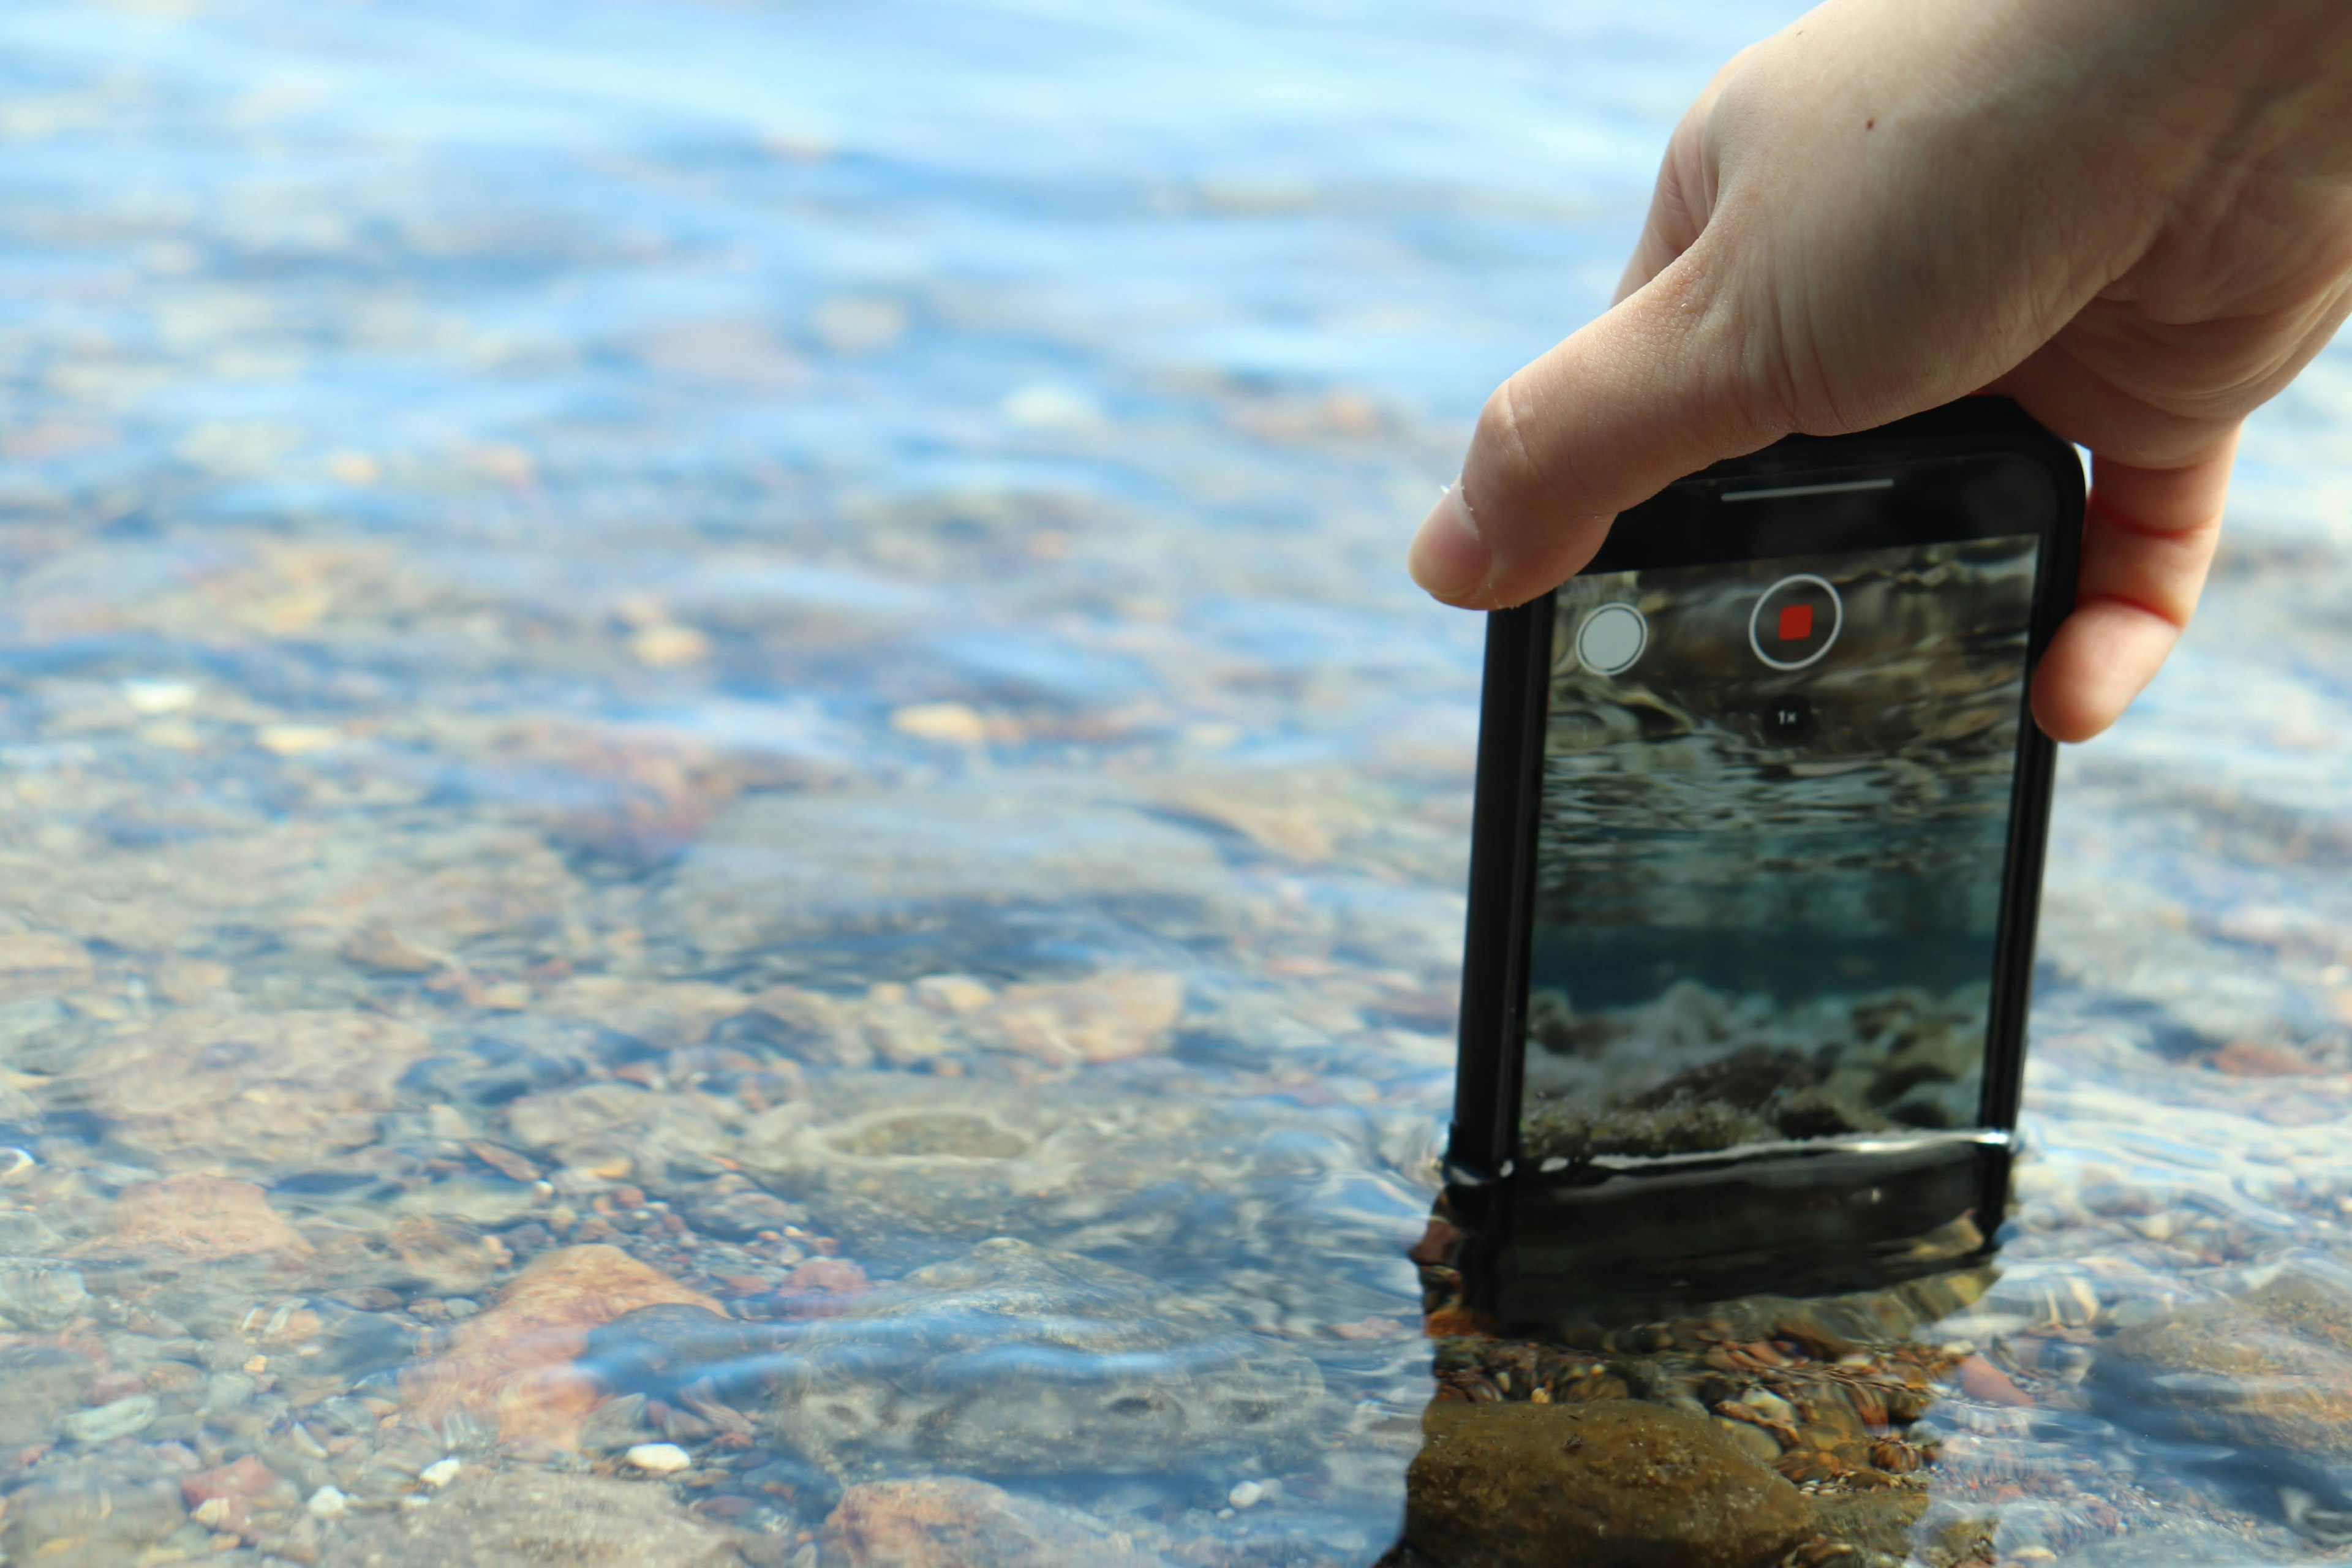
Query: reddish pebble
(1980, 1379)
(235, 1490)
(110, 1386)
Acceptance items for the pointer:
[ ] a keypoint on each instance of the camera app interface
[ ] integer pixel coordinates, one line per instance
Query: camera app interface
(1775, 807)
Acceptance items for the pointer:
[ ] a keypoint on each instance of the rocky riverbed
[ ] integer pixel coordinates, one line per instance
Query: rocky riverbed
(725, 841)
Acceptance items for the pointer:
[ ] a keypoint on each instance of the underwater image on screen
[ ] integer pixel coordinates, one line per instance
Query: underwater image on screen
(1775, 807)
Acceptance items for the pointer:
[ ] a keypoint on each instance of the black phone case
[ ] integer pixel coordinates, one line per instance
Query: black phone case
(1845, 1217)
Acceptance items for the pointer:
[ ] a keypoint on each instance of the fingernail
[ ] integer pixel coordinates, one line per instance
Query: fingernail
(1448, 559)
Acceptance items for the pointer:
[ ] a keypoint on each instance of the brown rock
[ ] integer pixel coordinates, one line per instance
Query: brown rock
(530, 1516)
(1980, 1379)
(1294, 829)
(227, 1498)
(264, 1090)
(958, 1523)
(445, 1257)
(196, 1219)
(85, 1516)
(512, 1365)
(665, 1013)
(615, 1131)
(822, 1029)
(1621, 1484)
(388, 951)
(2252, 1058)
(2271, 1369)
(1108, 1017)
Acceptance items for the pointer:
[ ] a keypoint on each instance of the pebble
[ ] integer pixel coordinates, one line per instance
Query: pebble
(525, 1516)
(954, 1523)
(660, 1459)
(197, 1219)
(84, 1517)
(327, 1502)
(1088, 1367)
(441, 1472)
(38, 1296)
(119, 1419)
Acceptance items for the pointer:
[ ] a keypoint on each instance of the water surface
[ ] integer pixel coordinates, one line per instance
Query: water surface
(768, 641)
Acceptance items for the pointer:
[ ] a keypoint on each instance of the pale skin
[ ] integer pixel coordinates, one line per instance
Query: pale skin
(2133, 216)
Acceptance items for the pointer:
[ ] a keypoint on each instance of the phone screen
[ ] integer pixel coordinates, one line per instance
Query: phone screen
(1774, 811)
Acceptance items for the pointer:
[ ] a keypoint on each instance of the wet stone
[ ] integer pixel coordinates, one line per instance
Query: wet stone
(750, 882)
(511, 1368)
(41, 1383)
(448, 1260)
(41, 1296)
(619, 1132)
(86, 1517)
(1013, 1360)
(1619, 1484)
(732, 1207)
(517, 1517)
(229, 1497)
(2268, 1374)
(24, 1234)
(196, 1219)
(885, 1159)
(116, 1418)
(962, 1524)
(260, 1091)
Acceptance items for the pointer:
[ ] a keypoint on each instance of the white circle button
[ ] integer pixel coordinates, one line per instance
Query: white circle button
(1612, 638)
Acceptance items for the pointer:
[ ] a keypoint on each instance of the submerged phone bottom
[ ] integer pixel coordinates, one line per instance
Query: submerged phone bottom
(1635, 1246)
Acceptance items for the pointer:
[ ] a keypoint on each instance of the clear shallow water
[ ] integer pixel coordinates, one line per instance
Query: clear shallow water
(770, 640)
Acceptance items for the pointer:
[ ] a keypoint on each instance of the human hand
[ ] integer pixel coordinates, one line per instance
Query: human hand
(2134, 216)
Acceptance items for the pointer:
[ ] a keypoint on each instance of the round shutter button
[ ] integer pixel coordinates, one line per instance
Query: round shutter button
(1611, 638)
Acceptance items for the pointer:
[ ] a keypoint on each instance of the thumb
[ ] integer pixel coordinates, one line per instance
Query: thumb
(1663, 384)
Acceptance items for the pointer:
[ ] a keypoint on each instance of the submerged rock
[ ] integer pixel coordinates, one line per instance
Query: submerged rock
(41, 1296)
(2268, 1376)
(512, 1368)
(43, 1382)
(87, 1516)
(116, 1418)
(619, 1132)
(778, 865)
(196, 1219)
(501, 1520)
(885, 1159)
(956, 1522)
(1619, 1484)
(265, 1091)
(1014, 1360)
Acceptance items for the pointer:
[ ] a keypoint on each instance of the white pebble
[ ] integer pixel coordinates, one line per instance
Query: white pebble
(441, 1472)
(661, 1459)
(1246, 1495)
(327, 1503)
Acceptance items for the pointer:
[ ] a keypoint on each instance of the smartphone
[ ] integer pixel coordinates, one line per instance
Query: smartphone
(1756, 862)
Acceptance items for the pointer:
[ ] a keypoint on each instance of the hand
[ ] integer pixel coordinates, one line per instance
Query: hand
(2134, 216)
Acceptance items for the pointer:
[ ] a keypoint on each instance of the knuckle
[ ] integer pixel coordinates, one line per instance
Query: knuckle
(1511, 475)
